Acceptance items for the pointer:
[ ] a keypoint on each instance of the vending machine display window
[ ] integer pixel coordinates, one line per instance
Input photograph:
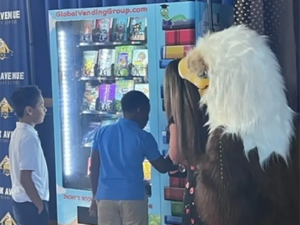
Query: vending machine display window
(98, 61)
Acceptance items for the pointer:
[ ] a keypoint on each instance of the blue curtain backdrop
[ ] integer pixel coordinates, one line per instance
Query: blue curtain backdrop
(14, 72)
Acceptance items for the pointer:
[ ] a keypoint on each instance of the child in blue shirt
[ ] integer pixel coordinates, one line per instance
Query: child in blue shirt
(117, 159)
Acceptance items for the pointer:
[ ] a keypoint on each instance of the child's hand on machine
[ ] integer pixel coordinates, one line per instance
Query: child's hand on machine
(173, 172)
(182, 168)
(180, 172)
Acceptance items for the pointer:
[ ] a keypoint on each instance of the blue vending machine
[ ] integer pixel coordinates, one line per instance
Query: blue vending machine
(179, 27)
(97, 55)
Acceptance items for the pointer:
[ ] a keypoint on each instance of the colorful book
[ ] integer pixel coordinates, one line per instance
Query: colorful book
(87, 28)
(106, 59)
(147, 170)
(90, 97)
(175, 220)
(139, 62)
(177, 209)
(137, 28)
(120, 27)
(106, 97)
(89, 62)
(173, 194)
(102, 31)
(123, 60)
(122, 87)
(180, 37)
(175, 51)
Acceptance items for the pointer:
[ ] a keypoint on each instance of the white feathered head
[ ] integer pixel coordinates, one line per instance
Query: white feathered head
(240, 82)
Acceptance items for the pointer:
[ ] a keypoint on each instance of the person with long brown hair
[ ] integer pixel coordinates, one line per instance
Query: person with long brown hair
(249, 172)
(187, 133)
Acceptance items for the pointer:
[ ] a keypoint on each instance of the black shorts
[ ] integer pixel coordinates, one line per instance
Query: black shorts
(26, 213)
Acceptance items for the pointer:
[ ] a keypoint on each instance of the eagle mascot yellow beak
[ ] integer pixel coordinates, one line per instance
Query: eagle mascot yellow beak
(200, 80)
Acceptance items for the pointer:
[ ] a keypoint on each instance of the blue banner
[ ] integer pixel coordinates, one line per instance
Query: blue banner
(14, 72)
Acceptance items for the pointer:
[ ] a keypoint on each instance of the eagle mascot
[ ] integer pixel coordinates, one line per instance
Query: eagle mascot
(248, 174)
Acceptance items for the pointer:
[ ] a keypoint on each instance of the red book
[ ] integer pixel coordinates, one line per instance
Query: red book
(177, 182)
(180, 37)
(174, 194)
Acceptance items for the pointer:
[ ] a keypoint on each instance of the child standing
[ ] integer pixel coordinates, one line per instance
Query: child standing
(118, 153)
(29, 173)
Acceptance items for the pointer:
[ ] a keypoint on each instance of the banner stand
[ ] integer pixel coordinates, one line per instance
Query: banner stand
(30, 41)
(14, 72)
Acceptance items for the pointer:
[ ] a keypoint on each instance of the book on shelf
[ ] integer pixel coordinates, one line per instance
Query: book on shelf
(139, 62)
(122, 87)
(107, 94)
(180, 37)
(123, 59)
(102, 31)
(175, 51)
(89, 62)
(106, 59)
(119, 31)
(137, 28)
(90, 97)
(87, 27)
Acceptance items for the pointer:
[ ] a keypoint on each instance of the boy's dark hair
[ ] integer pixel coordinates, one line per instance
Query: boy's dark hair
(24, 97)
(133, 100)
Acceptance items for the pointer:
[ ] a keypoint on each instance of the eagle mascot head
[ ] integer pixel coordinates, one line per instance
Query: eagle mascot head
(240, 82)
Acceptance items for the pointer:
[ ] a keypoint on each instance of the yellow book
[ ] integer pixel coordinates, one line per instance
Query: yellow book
(147, 170)
(175, 52)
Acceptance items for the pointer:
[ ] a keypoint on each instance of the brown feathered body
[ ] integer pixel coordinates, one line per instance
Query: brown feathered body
(233, 189)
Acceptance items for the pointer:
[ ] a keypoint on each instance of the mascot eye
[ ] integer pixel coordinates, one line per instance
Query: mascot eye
(203, 75)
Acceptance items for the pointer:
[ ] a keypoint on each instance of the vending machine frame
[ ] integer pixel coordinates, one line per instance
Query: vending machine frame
(72, 204)
(164, 44)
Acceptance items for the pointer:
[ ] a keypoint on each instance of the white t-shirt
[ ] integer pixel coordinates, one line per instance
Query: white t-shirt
(26, 153)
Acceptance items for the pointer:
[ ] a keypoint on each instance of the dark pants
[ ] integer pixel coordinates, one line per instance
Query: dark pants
(27, 214)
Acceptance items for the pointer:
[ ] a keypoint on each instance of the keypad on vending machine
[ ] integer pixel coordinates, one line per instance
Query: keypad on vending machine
(162, 97)
(165, 133)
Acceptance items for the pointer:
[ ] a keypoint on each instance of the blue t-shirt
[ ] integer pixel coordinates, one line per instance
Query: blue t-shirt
(122, 147)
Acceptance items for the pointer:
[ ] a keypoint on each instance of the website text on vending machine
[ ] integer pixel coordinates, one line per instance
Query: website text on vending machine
(99, 12)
